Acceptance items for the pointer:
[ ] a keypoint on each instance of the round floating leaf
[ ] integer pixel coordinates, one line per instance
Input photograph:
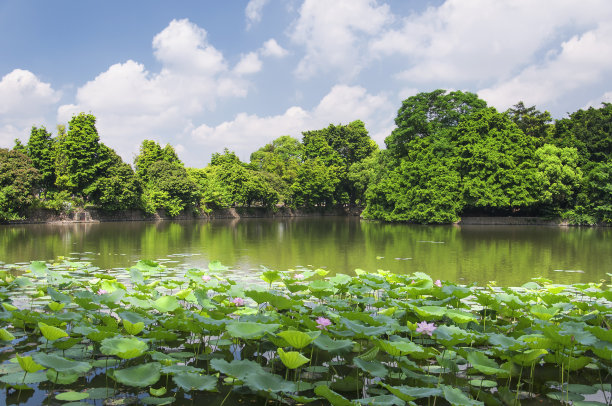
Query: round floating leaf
(17, 378)
(268, 382)
(250, 330)
(51, 333)
(140, 375)
(483, 383)
(298, 339)
(166, 304)
(72, 396)
(192, 381)
(123, 347)
(563, 396)
(457, 398)
(325, 343)
(373, 368)
(237, 368)
(157, 401)
(62, 364)
(582, 389)
(100, 393)
(292, 359)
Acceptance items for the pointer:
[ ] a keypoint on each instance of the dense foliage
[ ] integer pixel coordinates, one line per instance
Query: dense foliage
(157, 336)
(450, 156)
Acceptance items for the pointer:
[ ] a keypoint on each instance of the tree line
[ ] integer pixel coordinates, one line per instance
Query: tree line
(450, 155)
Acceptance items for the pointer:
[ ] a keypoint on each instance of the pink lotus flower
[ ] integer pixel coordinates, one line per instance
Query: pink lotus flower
(438, 283)
(425, 327)
(102, 292)
(299, 277)
(323, 322)
(238, 301)
(206, 278)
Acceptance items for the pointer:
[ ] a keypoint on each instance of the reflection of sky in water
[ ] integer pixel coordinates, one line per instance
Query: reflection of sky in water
(506, 254)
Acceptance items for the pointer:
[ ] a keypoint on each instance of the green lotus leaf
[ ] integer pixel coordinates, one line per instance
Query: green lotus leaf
(299, 339)
(237, 368)
(166, 304)
(409, 393)
(542, 312)
(381, 400)
(62, 378)
(133, 328)
(58, 296)
(61, 364)
(485, 365)
(334, 398)
(270, 276)
(158, 392)
(268, 382)
(483, 383)
(399, 348)
(66, 344)
(292, 359)
(72, 396)
(347, 384)
(100, 393)
(192, 381)
(564, 396)
(370, 354)
(5, 335)
(28, 364)
(340, 279)
(56, 306)
(180, 369)
(528, 357)
(157, 401)
(430, 312)
(140, 375)
(18, 377)
(601, 333)
(39, 268)
(457, 398)
(582, 389)
(373, 368)
(123, 347)
(325, 343)
(51, 333)
(504, 342)
(459, 316)
(250, 330)
(302, 399)
(216, 266)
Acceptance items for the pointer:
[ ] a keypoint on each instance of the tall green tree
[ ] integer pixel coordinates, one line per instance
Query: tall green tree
(532, 121)
(17, 180)
(40, 149)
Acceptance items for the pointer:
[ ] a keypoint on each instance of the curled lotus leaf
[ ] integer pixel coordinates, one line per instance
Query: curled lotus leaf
(51, 333)
(292, 359)
(299, 339)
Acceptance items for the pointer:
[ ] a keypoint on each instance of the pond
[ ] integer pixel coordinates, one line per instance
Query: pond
(509, 255)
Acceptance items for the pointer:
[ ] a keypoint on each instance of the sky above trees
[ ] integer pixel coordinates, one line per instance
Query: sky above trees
(204, 75)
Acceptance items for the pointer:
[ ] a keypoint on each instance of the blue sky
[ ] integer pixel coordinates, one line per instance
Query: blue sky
(204, 75)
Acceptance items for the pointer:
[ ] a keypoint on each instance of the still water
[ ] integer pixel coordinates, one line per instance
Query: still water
(509, 255)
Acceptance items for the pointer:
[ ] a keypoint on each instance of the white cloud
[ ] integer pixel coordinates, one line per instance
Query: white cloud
(480, 41)
(253, 12)
(271, 48)
(24, 101)
(332, 33)
(584, 60)
(249, 63)
(343, 104)
(132, 103)
(596, 103)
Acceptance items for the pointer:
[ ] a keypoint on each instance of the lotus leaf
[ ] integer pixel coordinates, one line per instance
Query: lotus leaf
(18, 377)
(528, 357)
(157, 401)
(100, 393)
(61, 364)
(325, 343)
(250, 330)
(398, 348)
(123, 347)
(166, 304)
(239, 369)
(189, 381)
(373, 368)
(28, 364)
(298, 339)
(72, 396)
(180, 369)
(51, 333)
(335, 399)
(459, 316)
(5, 335)
(485, 365)
(457, 398)
(133, 328)
(140, 376)
(292, 359)
(267, 382)
(483, 383)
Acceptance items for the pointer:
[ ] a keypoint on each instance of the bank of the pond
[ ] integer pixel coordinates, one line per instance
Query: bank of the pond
(101, 216)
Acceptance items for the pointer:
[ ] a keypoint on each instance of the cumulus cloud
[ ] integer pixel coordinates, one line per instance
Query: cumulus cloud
(272, 48)
(332, 34)
(25, 100)
(343, 104)
(133, 103)
(583, 60)
(253, 12)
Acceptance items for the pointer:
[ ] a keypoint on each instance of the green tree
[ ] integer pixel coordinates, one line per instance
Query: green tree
(40, 149)
(315, 184)
(151, 152)
(558, 176)
(17, 180)
(531, 121)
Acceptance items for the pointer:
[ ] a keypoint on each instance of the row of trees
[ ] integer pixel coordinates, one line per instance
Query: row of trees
(450, 155)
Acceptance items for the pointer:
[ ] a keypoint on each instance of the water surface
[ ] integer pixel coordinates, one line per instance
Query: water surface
(509, 255)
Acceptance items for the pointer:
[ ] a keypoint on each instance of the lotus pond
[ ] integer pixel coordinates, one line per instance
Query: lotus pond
(76, 334)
